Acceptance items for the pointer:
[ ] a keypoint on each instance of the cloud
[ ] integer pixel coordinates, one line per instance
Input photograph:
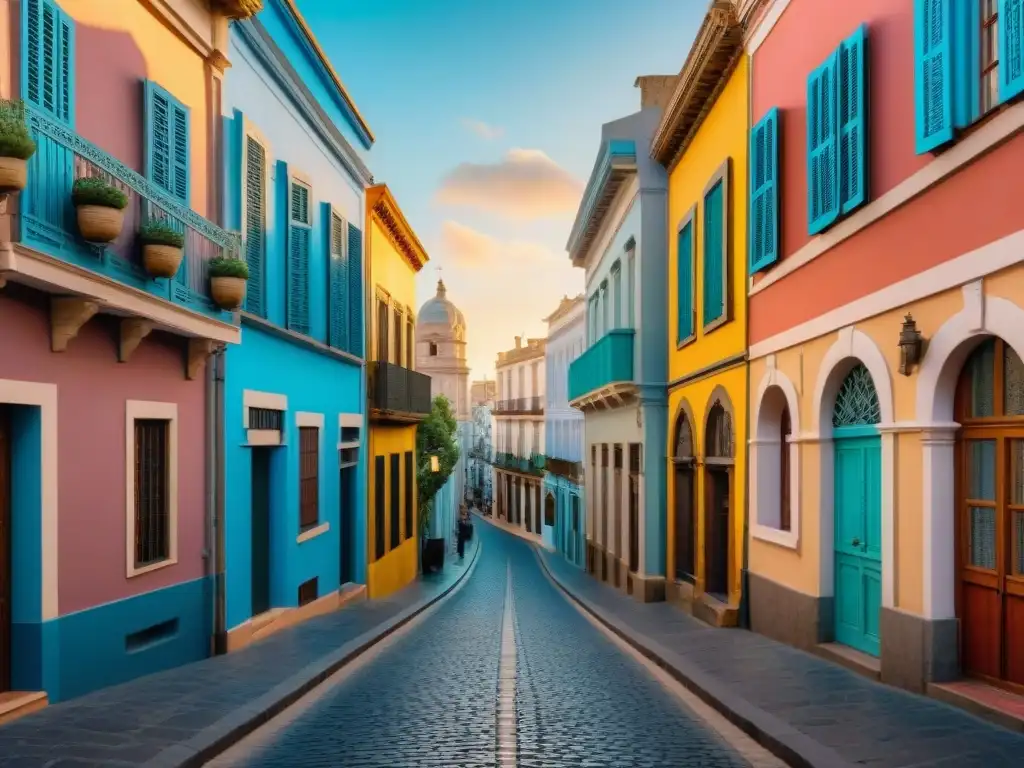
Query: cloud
(483, 130)
(466, 248)
(526, 184)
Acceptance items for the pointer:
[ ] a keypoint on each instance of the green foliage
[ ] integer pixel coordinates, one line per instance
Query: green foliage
(15, 137)
(435, 436)
(227, 266)
(96, 191)
(155, 232)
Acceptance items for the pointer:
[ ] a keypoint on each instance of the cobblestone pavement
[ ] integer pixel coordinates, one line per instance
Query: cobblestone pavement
(430, 698)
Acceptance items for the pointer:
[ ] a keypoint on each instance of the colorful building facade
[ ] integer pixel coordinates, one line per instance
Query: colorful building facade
(399, 396)
(293, 397)
(886, 334)
(702, 141)
(564, 507)
(618, 382)
(102, 577)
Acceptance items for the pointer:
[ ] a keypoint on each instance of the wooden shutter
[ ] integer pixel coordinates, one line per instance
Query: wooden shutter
(152, 491)
(378, 507)
(49, 60)
(822, 149)
(298, 258)
(853, 127)
(167, 142)
(355, 290)
(396, 502)
(338, 337)
(309, 477)
(714, 254)
(684, 282)
(410, 495)
(1011, 48)
(933, 89)
(255, 223)
(764, 192)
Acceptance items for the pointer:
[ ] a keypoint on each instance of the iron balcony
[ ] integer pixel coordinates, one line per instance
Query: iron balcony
(397, 394)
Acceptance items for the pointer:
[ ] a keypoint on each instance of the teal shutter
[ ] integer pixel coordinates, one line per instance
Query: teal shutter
(853, 124)
(48, 60)
(167, 141)
(764, 192)
(684, 282)
(714, 255)
(1011, 48)
(822, 145)
(933, 89)
(298, 259)
(255, 224)
(355, 290)
(338, 277)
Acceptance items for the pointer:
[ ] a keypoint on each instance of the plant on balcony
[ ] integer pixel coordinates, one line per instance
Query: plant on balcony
(227, 281)
(435, 436)
(162, 248)
(16, 146)
(100, 207)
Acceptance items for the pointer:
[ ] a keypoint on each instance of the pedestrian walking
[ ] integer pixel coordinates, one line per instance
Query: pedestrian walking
(463, 532)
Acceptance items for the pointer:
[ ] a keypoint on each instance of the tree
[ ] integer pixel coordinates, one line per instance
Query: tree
(435, 436)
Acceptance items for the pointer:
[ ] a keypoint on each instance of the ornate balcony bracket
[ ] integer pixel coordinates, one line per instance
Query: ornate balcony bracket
(199, 350)
(67, 316)
(133, 331)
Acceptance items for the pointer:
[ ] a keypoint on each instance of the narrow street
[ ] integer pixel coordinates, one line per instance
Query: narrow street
(430, 697)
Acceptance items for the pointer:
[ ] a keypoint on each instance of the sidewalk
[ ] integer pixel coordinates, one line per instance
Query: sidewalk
(806, 710)
(186, 715)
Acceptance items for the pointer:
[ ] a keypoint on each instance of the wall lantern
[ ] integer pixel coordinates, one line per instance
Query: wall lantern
(911, 345)
(435, 464)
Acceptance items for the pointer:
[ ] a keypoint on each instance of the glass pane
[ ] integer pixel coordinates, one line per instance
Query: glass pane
(1013, 382)
(1018, 543)
(1017, 472)
(981, 470)
(983, 537)
(982, 372)
(857, 400)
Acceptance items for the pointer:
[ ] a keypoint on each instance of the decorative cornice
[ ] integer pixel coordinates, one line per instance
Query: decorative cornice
(616, 161)
(534, 349)
(565, 306)
(383, 207)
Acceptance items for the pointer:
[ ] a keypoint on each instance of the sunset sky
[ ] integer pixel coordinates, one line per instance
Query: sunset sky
(487, 116)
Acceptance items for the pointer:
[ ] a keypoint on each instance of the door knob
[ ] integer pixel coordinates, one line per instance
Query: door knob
(855, 543)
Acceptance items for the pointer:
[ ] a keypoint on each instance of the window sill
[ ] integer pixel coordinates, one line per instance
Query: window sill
(144, 569)
(686, 342)
(786, 539)
(312, 533)
(715, 324)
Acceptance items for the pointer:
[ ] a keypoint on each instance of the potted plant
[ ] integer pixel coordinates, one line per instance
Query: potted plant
(161, 248)
(100, 206)
(16, 146)
(227, 281)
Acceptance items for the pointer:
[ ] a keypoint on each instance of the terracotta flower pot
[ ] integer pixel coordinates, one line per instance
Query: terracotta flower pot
(161, 260)
(13, 174)
(100, 224)
(228, 292)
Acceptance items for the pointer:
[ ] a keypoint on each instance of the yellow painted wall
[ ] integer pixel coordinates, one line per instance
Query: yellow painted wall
(398, 567)
(390, 271)
(722, 135)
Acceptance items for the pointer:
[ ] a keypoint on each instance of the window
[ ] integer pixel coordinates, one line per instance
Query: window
(989, 64)
(167, 142)
(764, 192)
(152, 492)
(630, 280)
(309, 477)
(338, 314)
(399, 322)
(254, 222)
(355, 290)
(785, 431)
(716, 250)
(617, 295)
(49, 56)
(603, 318)
(410, 341)
(410, 492)
(433, 349)
(396, 501)
(634, 506)
(382, 329)
(837, 134)
(686, 320)
(299, 231)
(378, 507)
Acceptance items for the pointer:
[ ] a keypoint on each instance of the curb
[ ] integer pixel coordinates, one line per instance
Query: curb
(778, 737)
(234, 727)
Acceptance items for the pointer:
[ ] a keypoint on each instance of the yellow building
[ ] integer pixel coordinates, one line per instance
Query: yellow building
(398, 397)
(702, 141)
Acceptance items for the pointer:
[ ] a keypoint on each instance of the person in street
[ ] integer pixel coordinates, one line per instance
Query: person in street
(463, 530)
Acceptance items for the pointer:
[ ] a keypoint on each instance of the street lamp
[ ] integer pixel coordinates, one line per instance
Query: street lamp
(435, 464)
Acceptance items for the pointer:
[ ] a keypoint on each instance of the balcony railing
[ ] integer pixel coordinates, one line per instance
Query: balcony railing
(571, 470)
(609, 361)
(533, 465)
(520, 405)
(397, 390)
(47, 219)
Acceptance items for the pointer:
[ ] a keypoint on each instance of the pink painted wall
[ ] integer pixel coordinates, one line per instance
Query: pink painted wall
(927, 231)
(92, 390)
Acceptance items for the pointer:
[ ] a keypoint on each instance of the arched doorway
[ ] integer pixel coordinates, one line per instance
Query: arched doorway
(857, 495)
(989, 405)
(576, 538)
(549, 509)
(685, 500)
(718, 473)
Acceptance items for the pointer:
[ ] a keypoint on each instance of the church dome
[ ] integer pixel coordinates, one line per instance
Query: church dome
(440, 311)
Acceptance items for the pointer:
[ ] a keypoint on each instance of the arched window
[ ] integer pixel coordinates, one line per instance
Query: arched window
(685, 499)
(718, 463)
(785, 430)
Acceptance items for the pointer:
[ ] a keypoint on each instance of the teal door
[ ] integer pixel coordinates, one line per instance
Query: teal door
(858, 513)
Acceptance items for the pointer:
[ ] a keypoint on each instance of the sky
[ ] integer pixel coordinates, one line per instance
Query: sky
(487, 116)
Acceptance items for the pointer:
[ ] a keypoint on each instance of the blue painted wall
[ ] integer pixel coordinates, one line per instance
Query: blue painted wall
(571, 547)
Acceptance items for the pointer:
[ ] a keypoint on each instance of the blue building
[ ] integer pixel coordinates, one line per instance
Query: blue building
(293, 391)
(564, 511)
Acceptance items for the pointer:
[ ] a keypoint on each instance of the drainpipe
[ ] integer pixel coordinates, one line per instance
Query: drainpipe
(215, 496)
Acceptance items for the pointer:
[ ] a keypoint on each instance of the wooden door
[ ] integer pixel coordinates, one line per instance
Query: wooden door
(5, 548)
(346, 515)
(685, 544)
(260, 530)
(717, 482)
(858, 533)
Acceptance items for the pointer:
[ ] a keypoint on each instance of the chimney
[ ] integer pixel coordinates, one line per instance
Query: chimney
(519, 342)
(655, 90)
